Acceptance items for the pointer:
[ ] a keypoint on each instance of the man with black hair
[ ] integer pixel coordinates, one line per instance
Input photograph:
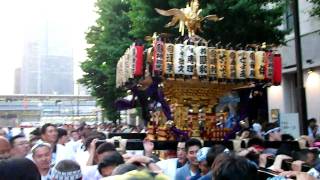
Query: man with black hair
(83, 155)
(19, 169)
(192, 167)
(213, 152)
(313, 128)
(49, 134)
(63, 151)
(170, 166)
(110, 162)
(124, 168)
(96, 156)
(20, 147)
(232, 167)
(272, 132)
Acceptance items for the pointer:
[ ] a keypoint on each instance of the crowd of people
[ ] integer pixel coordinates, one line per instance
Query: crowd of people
(85, 152)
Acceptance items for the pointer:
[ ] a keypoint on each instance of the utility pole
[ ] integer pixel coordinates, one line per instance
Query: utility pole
(301, 98)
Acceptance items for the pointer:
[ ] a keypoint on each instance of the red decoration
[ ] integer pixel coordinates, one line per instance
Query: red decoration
(158, 57)
(277, 69)
(138, 70)
(268, 65)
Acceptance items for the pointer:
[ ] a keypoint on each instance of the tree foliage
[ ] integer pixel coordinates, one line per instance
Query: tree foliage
(109, 39)
(245, 21)
(122, 21)
(315, 8)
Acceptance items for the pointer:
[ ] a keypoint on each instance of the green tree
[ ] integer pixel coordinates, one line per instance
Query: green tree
(109, 39)
(121, 21)
(245, 21)
(316, 8)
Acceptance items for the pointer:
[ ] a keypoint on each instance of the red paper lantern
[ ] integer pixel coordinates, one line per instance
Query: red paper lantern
(158, 57)
(138, 70)
(277, 69)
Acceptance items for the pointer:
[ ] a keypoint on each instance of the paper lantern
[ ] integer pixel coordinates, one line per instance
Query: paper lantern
(126, 67)
(268, 66)
(259, 65)
(277, 69)
(201, 61)
(158, 49)
(189, 60)
(138, 70)
(212, 64)
(178, 60)
(230, 64)
(132, 61)
(241, 65)
(221, 63)
(250, 65)
(168, 60)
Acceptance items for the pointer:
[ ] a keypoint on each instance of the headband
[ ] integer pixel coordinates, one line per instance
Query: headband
(272, 130)
(72, 175)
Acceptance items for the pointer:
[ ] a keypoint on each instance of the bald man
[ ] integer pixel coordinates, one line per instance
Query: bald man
(4, 148)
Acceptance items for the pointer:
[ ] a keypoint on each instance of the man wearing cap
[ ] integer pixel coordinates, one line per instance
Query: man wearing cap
(170, 166)
(41, 155)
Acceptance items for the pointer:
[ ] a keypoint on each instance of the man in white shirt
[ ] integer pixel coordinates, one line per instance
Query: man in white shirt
(41, 155)
(169, 166)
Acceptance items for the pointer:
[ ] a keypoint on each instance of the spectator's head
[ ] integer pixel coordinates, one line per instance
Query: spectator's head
(306, 155)
(287, 137)
(63, 137)
(19, 146)
(34, 136)
(75, 135)
(202, 159)
(272, 132)
(41, 154)
(244, 133)
(4, 149)
(256, 127)
(49, 133)
(94, 135)
(84, 130)
(312, 123)
(231, 167)
(192, 147)
(19, 169)
(181, 152)
(104, 149)
(213, 152)
(66, 170)
(123, 168)
(109, 163)
(3, 133)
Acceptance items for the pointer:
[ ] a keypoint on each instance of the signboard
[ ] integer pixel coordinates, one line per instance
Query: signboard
(289, 124)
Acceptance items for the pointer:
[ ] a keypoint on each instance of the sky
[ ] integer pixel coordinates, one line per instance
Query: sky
(18, 16)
